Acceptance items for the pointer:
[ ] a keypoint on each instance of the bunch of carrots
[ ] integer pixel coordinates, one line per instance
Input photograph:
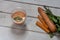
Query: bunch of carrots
(45, 21)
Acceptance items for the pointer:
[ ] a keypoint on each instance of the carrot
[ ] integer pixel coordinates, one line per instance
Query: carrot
(39, 24)
(42, 21)
(50, 24)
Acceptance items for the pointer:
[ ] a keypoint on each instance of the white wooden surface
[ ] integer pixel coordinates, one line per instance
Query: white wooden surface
(14, 34)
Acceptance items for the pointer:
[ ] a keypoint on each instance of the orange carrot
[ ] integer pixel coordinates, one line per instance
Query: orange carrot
(39, 24)
(50, 24)
(42, 21)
